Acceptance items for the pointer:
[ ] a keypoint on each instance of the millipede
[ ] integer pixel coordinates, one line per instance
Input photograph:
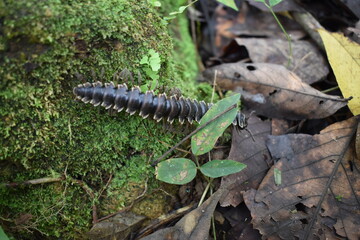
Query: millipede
(159, 106)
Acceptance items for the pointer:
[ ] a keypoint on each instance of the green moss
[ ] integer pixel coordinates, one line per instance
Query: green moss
(185, 55)
(47, 48)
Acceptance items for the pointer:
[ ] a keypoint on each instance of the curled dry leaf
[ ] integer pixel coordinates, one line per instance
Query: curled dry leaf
(273, 91)
(252, 153)
(194, 225)
(320, 189)
(307, 62)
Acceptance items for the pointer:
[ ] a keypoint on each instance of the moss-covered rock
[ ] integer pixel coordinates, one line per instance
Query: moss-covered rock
(47, 48)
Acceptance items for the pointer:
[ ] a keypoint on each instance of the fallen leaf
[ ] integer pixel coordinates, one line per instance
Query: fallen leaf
(240, 221)
(344, 57)
(118, 227)
(262, 24)
(320, 189)
(353, 5)
(273, 91)
(194, 225)
(279, 126)
(357, 142)
(307, 61)
(252, 153)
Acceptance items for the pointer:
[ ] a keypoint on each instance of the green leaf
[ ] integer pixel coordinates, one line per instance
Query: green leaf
(219, 168)
(229, 3)
(274, 2)
(146, 87)
(204, 140)
(3, 236)
(154, 60)
(176, 171)
(157, 4)
(144, 60)
(277, 176)
(181, 10)
(153, 75)
(263, 1)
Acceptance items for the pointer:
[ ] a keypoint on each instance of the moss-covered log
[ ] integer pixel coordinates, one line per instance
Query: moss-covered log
(47, 48)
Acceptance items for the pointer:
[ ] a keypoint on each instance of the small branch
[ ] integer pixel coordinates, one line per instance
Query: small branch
(34, 182)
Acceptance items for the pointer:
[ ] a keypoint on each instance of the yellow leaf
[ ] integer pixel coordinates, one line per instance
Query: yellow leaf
(344, 58)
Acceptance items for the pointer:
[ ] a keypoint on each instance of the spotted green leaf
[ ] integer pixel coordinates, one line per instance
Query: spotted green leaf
(176, 171)
(204, 140)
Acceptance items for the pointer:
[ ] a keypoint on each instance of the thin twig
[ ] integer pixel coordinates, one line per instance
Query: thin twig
(35, 181)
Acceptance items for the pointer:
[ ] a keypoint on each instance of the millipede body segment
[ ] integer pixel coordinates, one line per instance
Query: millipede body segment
(159, 106)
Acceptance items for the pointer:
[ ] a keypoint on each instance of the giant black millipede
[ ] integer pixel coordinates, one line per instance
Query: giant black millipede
(159, 106)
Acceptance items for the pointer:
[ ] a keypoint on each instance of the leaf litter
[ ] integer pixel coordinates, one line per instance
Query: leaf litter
(316, 190)
(275, 92)
(248, 148)
(316, 170)
(307, 61)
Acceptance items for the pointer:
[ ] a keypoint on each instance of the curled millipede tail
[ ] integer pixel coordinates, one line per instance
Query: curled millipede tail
(132, 100)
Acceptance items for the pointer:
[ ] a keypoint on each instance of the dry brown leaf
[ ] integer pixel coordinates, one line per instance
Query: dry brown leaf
(118, 227)
(194, 225)
(273, 91)
(307, 61)
(240, 220)
(254, 154)
(279, 126)
(357, 142)
(320, 189)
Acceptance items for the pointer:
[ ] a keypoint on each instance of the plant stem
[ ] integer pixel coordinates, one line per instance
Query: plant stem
(213, 227)
(205, 192)
(330, 89)
(284, 31)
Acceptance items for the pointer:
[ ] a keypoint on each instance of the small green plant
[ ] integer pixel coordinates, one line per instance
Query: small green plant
(339, 198)
(181, 9)
(277, 176)
(154, 3)
(269, 4)
(182, 170)
(152, 63)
